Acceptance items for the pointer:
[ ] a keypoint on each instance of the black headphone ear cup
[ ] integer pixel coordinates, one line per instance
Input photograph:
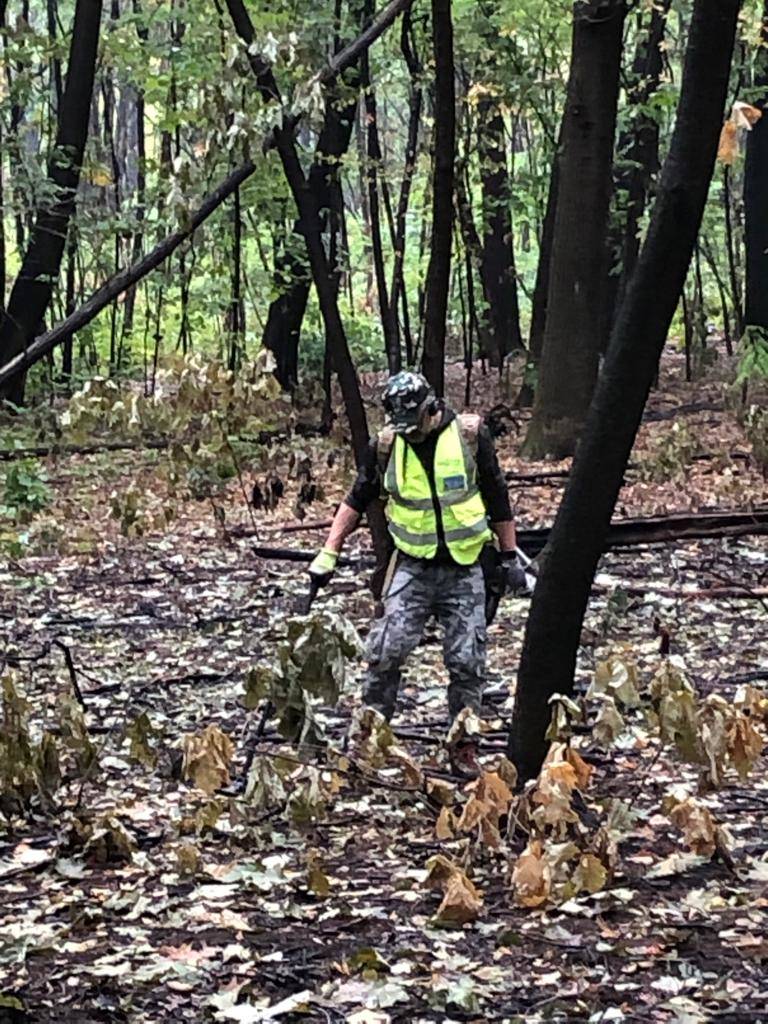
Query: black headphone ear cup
(434, 407)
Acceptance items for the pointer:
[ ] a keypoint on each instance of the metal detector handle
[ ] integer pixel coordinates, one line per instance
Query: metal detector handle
(530, 568)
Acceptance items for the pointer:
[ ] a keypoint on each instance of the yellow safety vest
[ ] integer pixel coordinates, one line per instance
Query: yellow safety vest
(410, 508)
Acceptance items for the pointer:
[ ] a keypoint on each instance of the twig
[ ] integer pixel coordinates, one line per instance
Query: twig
(72, 673)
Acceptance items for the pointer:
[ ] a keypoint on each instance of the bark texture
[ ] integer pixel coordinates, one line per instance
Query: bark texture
(33, 288)
(756, 202)
(439, 272)
(578, 267)
(497, 263)
(579, 534)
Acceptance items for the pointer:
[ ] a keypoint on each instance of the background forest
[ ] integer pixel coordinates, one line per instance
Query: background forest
(222, 224)
(175, 110)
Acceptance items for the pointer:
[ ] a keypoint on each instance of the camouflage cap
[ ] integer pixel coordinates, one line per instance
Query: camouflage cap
(404, 398)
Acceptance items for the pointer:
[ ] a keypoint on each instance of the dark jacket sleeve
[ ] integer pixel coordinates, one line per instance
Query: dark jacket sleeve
(367, 485)
(490, 479)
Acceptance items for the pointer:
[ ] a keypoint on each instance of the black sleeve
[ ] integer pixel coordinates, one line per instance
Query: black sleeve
(367, 485)
(490, 479)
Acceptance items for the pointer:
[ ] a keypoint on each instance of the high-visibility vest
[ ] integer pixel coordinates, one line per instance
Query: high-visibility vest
(410, 507)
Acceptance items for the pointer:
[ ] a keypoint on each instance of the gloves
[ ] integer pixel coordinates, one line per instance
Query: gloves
(510, 574)
(323, 566)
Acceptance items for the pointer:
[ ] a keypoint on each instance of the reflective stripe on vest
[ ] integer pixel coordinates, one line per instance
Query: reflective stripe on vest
(410, 509)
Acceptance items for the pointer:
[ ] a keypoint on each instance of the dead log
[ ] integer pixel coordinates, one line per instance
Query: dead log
(627, 533)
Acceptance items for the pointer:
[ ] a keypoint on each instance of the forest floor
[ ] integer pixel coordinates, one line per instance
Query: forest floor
(134, 896)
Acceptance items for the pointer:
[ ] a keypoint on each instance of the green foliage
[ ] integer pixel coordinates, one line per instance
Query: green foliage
(670, 454)
(753, 355)
(26, 491)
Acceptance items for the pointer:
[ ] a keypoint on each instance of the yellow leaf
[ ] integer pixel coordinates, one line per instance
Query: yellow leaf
(101, 177)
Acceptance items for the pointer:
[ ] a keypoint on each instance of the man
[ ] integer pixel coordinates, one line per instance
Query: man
(445, 495)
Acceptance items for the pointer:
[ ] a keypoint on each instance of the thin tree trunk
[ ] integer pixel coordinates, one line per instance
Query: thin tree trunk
(541, 288)
(137, 245)
(292, 277)
(69, 305)
(579, 533)
(439, 272)
(34, 285)
(733, 262)
(497, 264)
(570, 358)
(387, 310)
(415, 99)
(236, 310)
(756, 203)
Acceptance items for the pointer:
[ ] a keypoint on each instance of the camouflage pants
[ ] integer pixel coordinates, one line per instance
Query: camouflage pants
(455, 594)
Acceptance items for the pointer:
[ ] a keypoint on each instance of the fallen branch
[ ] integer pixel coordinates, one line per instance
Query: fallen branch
(622, 534)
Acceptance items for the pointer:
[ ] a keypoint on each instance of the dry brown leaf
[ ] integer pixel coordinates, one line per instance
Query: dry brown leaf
(317, 880)
(744, 115)
(207, 756)
(697, 825)
(745, 745)
(444, 829)
(728, 147)
(590, 874)
(532, 876)
(439, 870)
(580, 767)
(461, 900)
(461, 903)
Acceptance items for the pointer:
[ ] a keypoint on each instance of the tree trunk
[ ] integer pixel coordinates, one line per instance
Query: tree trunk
(397, 292)
(497, 263)
(571, 352)
(756, 203)
(638, 157)
(578, 535)
(39, 271)
(137, 244)
(541, 288)
(439, 272)
(387, 310)
(292, 276)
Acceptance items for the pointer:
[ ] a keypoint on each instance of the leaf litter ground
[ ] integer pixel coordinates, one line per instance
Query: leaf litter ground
(138, 897)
